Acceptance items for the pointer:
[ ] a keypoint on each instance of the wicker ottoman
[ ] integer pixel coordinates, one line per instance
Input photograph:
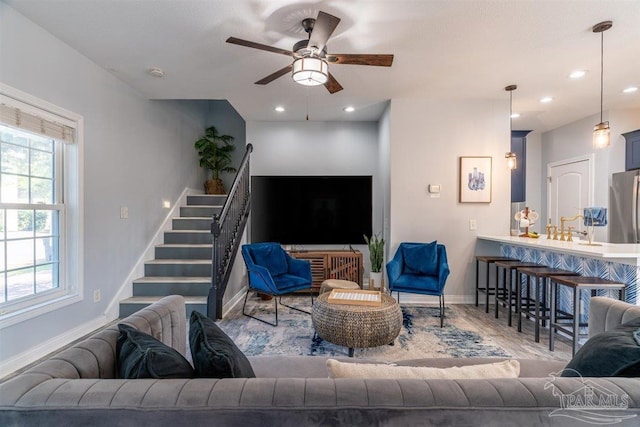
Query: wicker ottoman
(357, 326)
(331, 284)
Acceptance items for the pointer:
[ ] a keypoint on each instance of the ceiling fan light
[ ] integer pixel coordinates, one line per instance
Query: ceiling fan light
(601, 135)
(310, 71)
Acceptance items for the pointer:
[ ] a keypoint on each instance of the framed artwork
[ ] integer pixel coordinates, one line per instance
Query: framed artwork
(475, 179)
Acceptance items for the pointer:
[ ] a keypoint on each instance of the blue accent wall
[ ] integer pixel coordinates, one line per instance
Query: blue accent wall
(519, 175)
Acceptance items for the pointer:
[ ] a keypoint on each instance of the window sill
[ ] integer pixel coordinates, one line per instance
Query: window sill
(32, 311)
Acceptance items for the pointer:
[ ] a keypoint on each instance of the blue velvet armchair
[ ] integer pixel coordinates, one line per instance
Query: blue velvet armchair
(272, 271)
(419, 268)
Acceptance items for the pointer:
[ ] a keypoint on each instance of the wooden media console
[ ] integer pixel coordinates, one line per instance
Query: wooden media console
(332, 264)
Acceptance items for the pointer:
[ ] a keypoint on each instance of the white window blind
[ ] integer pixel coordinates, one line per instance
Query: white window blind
(17, 117)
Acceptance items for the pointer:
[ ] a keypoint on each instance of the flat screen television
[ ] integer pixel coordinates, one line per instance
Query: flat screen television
(311, 210)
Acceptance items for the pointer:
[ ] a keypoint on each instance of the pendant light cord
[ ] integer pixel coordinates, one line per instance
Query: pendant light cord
(601, 72)
(307, 98)
(510, 113)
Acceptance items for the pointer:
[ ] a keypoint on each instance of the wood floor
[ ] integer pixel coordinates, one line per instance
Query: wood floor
(519, 344)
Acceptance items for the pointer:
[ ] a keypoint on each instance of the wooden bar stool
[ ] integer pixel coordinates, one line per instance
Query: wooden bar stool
(572, 325)
(487, 289)
(540, 290)
(505, 294)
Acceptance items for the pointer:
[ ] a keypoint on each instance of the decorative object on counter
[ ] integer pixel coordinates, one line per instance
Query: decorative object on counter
(601, 131)
(594, 217)
(475, 179)
(215, 153)
(527, 218)
(512, 162)
(376, 256)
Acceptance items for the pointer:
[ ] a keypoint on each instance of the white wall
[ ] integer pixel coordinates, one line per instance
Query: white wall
(427, 139)
(319, 148)
(535, 179)
(575, 139)
(384, 175)
(137, 152)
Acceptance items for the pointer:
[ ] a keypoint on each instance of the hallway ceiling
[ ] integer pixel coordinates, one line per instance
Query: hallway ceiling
(443, 50)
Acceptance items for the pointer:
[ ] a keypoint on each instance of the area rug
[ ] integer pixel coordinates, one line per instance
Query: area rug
(420, 336)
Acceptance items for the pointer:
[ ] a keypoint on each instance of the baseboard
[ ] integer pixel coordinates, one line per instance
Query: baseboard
(126, 288)
(234, 301)
(417, 299)
(25, 358)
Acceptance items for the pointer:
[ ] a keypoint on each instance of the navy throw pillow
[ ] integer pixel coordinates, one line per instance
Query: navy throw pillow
(140, 355)
(272, 257)
(614, 353)
(421, 258)
(214, 354)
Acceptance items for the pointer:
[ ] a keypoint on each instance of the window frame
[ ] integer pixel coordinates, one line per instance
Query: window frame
(69, 201)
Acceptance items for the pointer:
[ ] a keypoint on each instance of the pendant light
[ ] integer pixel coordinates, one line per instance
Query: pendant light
(510, 155)
(601, 131)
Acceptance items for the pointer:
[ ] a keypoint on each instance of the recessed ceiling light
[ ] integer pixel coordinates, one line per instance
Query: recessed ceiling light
(546, 99)
(630, 89)
(349, 109)
(515, 115)
(279, 109)
(577, 74)
(156, 72)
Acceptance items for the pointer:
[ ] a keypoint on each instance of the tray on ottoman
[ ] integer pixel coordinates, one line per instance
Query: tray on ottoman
(355, 297)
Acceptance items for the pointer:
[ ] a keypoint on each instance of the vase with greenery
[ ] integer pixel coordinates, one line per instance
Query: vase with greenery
(376, 257)
(216, 155)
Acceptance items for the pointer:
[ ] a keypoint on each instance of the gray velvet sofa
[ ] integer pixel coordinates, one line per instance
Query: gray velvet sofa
(77, 387)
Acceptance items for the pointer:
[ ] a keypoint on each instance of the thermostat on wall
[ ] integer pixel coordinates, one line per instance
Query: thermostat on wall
(434, 188)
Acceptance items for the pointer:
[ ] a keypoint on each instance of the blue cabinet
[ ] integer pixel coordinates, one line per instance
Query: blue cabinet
(632, 153)
(519, 174)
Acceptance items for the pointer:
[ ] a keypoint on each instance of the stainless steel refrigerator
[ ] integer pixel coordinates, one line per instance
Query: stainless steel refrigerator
(624, 208)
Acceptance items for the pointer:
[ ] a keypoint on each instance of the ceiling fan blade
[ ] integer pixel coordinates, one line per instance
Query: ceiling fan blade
(360, 59)
(260, 46)
(271, 77)
(332, 84)
(324, 26)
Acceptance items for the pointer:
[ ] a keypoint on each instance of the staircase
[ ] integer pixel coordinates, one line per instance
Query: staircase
(182, 265)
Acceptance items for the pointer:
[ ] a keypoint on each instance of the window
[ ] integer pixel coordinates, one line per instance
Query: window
(39, 206)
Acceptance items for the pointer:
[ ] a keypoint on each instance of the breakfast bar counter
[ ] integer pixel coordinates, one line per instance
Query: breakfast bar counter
(618, 251)
(612, 261)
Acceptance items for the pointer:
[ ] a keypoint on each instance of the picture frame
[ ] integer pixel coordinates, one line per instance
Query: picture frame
(475, 179)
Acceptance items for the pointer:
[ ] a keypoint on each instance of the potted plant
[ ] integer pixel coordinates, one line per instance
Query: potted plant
(376, 256)
(215, 153)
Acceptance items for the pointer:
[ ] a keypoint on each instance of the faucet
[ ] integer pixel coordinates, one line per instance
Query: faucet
(562, 221)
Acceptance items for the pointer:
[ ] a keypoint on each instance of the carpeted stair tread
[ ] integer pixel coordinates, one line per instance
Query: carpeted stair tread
(151, 300)
(184, 245)
(179, 261)
(173, 279)
(194, 217)
(189, 231)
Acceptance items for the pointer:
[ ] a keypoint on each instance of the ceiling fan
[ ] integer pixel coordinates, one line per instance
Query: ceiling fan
(310, 58)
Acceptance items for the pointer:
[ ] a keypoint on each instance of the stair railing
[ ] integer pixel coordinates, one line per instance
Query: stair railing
(226, 229)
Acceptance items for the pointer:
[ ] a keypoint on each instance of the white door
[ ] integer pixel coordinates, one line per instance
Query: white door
(569, 189)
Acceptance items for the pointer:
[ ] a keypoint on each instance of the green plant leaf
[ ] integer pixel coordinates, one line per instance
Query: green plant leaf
(376, 252)
(216, 152)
